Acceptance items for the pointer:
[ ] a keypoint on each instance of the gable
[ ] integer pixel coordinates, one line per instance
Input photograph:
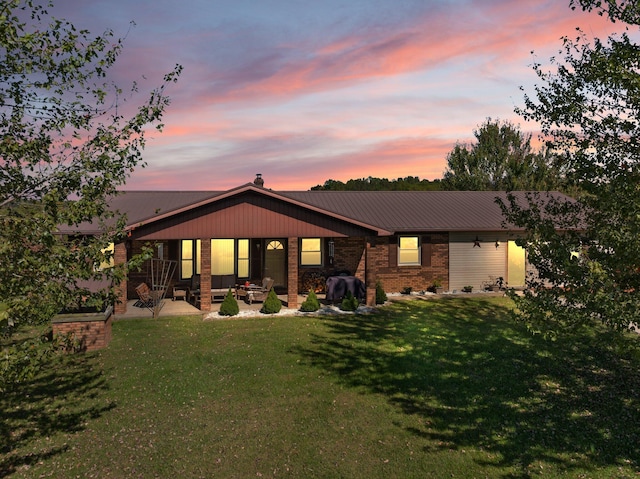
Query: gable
(248, 215)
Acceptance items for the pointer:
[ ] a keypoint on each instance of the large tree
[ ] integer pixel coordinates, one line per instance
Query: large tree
(68, 140)
(586, 252)
(500, 159)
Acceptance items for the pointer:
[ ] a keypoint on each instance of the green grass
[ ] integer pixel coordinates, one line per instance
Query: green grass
(444, 388)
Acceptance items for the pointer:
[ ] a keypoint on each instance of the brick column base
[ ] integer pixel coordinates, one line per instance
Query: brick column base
(292, 273)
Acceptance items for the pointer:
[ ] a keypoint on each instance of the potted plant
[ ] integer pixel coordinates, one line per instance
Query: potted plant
(437, 286)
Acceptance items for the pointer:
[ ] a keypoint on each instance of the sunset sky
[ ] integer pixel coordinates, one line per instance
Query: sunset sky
(305, 91)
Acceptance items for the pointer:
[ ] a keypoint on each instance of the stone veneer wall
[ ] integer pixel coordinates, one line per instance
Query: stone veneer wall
(91, 330)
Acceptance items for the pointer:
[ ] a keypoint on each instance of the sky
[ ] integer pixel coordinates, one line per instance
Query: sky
(305, 91)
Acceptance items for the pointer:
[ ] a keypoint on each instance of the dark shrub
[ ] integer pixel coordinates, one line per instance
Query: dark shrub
(229, 306)
(311, 303)
(272, 304)
(381, 296)
(349, 303)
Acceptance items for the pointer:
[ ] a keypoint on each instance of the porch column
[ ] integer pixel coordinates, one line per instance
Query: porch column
(370, 270)
(292, 272)
(120, 258)
(205, 274)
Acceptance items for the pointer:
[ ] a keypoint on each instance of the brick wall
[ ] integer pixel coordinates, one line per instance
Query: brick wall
(350, 256)
(92, 331)
(396, 278)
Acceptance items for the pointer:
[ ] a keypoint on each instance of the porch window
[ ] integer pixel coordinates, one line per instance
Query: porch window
(311, 252)
(243, 258)
(189, 258)
(408, 250)
(223, 256)
(230, 256)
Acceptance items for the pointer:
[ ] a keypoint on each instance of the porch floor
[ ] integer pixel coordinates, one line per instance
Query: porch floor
(184, 308)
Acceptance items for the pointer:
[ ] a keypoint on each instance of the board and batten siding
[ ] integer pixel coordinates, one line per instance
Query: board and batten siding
(471, 265)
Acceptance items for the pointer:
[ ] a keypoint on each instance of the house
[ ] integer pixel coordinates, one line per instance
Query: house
(298, 238)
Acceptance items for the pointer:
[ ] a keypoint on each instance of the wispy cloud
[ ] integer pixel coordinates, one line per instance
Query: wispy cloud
(307, 91)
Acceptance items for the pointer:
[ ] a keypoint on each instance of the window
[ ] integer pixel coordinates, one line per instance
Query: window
(224, 259)
(311, 252)
(243, 258)
(189, 258)
(408, 250)
(223, 256)
(108, 259)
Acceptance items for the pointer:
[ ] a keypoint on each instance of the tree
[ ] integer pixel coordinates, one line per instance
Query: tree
(67, 142)
(410, 183)
(586, 251)
(501, 159)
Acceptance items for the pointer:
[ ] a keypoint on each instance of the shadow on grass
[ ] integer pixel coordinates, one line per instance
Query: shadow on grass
(468, 376)
(36, 415)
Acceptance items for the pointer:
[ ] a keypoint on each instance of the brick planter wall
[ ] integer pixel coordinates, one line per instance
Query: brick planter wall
(92, 330)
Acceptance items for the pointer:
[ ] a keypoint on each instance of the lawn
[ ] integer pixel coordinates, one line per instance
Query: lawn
(439, 388)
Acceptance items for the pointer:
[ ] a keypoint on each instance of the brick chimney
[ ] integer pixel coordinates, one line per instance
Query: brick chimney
(259, 181)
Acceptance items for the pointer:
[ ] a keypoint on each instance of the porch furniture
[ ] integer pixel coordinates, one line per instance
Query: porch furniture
(220, 284)
(337, 287)
(194, 290)
(147, 297)
(180, 292)
(254, 292)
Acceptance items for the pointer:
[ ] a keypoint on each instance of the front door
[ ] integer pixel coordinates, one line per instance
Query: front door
(275, 262)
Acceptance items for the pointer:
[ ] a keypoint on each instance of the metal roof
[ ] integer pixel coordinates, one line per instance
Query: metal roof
(392, 211)
(400, 211)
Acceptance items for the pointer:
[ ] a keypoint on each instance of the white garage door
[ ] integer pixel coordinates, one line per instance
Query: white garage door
(472, 265)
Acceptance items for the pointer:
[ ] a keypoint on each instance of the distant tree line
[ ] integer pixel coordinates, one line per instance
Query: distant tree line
(410, 183)
(500, 159)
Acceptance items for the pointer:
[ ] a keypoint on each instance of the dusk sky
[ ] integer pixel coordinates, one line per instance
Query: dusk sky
(305, 91)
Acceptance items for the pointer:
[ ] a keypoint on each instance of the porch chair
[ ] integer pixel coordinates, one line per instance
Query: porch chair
(147, 298)
(259, 293)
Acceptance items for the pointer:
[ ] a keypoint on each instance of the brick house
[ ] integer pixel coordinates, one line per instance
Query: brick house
(401, 238)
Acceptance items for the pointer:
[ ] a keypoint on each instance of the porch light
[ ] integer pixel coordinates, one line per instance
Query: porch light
(476, 242)
(331, 248)
(497, 244)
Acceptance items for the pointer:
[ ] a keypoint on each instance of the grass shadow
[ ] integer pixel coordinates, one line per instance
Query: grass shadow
(467, 376)
(37, 414)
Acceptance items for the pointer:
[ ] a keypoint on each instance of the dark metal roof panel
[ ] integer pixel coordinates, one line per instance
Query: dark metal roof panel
(414, 210)
(143, 205)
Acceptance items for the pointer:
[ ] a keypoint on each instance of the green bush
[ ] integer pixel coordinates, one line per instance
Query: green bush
(311, 303)
(349, 303)
(272, 304)
(381, 296)
(229, 306)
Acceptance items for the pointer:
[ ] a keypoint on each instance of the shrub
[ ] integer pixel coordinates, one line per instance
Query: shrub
(349, 303)
(272, 304)
(381, 296)
(406, 290)
(229, 306)
(311, 303)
